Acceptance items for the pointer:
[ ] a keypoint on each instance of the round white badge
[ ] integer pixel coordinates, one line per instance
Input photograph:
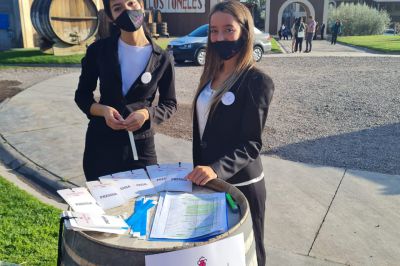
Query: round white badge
(146, 77)
(228, 98)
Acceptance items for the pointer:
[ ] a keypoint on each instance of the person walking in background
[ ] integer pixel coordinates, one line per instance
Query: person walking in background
(282, 31)
(285, 34)
(316, 30)
(293, 36)
(322, 28)
(230, 109)
(336, 30)
(299, 33)
(311, 25)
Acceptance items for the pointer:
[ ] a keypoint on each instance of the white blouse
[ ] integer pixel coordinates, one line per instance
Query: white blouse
(133, 61)
(203, 105)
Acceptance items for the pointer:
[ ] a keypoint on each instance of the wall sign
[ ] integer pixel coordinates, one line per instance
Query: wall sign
(177, 6)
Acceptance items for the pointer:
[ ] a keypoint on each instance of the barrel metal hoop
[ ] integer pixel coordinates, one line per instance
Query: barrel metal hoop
(75, 257)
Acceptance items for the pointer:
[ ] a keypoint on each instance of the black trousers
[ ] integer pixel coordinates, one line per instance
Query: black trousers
(256, 194)
(299, 44)
(101, 159)
(334, 38)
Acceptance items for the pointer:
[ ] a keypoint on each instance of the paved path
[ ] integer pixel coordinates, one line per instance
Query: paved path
(316, 215)
(324, 48)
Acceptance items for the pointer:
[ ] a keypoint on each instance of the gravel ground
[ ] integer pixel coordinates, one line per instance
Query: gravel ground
(336, 111)
(16, 79)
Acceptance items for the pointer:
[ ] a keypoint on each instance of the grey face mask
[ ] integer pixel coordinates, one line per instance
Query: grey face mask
(130, 20)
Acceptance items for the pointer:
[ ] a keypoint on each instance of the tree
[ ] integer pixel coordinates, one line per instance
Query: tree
(359, 19)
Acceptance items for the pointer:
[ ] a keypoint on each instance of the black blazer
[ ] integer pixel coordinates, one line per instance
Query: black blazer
(232, 140)
(101, 62)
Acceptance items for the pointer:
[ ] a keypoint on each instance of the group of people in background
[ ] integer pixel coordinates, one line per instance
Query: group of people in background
(301, 30)
(308, 31)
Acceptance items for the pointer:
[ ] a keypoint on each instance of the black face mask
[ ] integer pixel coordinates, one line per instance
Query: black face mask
(227, 49)
(130, 20)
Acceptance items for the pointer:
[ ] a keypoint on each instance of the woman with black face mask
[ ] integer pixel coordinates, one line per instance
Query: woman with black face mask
(130, 68)
(229, 112)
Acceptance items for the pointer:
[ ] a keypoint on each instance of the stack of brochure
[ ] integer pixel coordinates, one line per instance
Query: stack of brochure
(189, 217)
(95, 222)
(131, 183)
(117, 189)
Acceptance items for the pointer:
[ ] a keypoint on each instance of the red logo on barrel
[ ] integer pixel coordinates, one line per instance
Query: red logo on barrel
(202, 261)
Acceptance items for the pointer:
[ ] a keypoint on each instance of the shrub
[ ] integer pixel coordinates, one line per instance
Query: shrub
(359, 19)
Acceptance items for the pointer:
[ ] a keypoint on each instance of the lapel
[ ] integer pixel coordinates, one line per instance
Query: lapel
(151, 66)
(235, 90)
(114, 61)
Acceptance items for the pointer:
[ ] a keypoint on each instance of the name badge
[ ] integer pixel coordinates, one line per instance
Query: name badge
(146, 77)
(228, 98)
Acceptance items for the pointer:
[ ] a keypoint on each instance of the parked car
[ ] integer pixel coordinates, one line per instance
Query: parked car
(192, 47)
(390, 32)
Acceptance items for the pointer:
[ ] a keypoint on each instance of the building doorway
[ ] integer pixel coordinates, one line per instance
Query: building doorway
(291, 12)
(292, 9)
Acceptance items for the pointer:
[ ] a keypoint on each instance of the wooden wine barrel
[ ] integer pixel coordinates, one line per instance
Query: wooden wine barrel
(153, 28)
(65, 21)
(91, 248)
(162, 28)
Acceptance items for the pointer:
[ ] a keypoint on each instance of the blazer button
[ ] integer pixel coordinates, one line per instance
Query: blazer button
(203, 144)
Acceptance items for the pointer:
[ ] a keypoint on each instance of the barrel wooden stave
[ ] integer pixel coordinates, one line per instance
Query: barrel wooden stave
(71, 22)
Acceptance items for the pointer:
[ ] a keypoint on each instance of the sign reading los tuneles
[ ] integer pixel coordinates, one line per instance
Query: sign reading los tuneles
(177, 6)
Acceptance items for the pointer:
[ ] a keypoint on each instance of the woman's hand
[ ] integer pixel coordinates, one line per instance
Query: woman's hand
(136, 119)
(113, 119)
(201, 175)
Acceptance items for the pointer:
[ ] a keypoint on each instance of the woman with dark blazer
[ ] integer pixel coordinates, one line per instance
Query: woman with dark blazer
(130, 69)
(230, 110)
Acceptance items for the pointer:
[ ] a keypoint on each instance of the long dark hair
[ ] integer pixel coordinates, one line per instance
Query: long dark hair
(214, 63)
(114, 30)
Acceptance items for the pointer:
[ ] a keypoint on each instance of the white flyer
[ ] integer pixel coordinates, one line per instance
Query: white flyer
(95, 222)
(107, 195)
(142, 183)
(171, 177)
(80, 200)
(158, 176)
(176, 177)
(229, 251)
(123, 182)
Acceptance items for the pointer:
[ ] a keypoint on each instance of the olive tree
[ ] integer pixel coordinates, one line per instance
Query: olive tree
(359, 19)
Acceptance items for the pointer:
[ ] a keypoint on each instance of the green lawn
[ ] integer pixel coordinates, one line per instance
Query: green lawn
(35, 56)
(275, 47)
(28, 228)
(163, 42)
(386, 44)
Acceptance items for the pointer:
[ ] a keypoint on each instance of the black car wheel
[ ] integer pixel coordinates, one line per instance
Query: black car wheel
(257, 53)
(201, 57)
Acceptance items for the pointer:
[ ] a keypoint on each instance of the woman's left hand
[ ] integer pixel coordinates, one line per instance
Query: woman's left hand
(136, 119)
(201, 175)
